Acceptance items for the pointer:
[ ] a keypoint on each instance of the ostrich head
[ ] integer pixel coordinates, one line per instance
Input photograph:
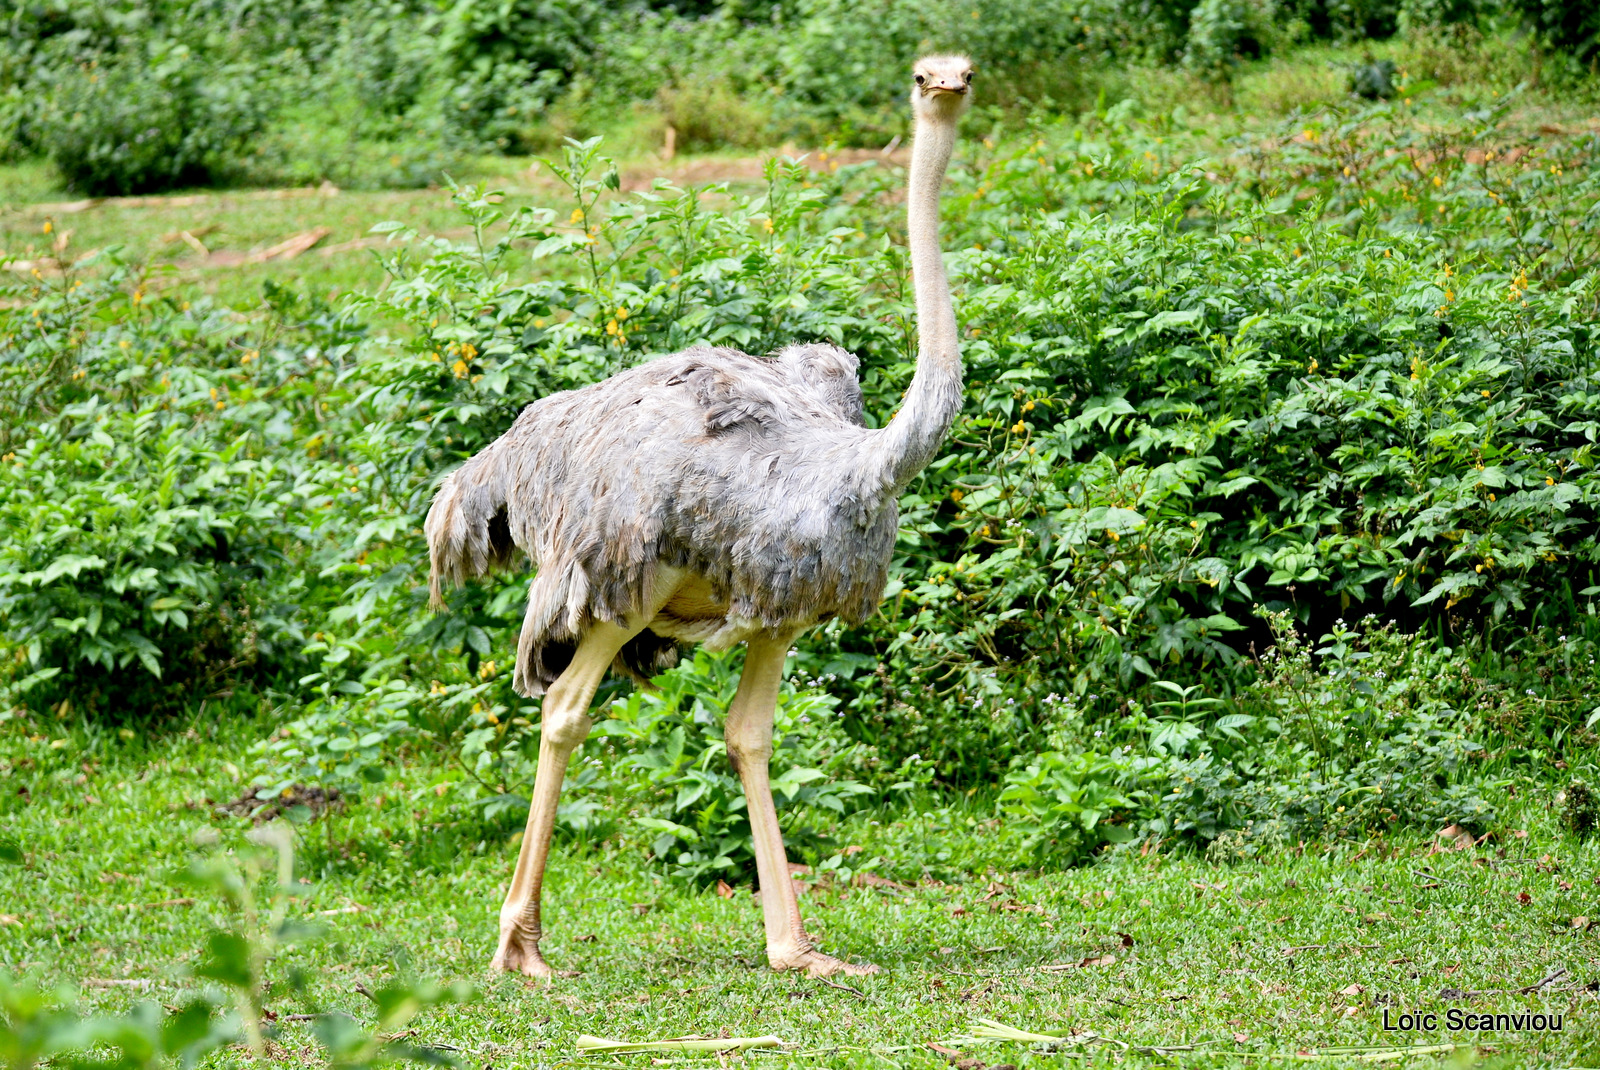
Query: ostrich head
(943, 87)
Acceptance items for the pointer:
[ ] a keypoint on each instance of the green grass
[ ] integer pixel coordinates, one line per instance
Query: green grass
(233, 224)
(1249, 963)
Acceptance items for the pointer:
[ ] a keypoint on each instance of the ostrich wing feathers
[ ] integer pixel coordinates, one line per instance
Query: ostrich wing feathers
(736, 467)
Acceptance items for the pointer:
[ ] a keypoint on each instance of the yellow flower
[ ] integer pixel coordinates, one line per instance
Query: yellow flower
(576, 217)
(1027, 406)
(1113, 536)
(1437, 181)
(486, 670)
(1019, 428)
(1549, 482)
(622, 313)
(956, 495)
(611, 326)
(1312, 367)
(460, 368)
(1485, 393)
(1491, 496)
(213, 393)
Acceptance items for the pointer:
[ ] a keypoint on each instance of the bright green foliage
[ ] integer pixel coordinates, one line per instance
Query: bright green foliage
(665, 751)
(325, 749)
(155, 525)
(506, 61)
(121, 533)
(1285, 380)
(142, 122)
(1064, 799)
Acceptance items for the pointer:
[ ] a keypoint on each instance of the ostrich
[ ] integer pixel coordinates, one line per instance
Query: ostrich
(706, 497)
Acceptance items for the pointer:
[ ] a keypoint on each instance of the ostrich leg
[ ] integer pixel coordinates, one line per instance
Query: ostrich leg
(564, 725)
(749, 740)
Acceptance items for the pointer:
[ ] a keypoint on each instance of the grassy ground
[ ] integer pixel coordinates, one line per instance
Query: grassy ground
(1249, 963)
(216, 239)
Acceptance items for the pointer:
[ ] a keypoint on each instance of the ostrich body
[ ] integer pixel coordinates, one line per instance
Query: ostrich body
(710, 497)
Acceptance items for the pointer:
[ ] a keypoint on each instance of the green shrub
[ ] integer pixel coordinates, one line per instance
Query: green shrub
(671, 768)
(1225, 33)
(710, 114)
(1571, 26)
(157, 537)
(143, 123)
(1072, 804)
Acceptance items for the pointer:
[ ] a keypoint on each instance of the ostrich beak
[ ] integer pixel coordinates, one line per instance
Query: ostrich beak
(945, 85)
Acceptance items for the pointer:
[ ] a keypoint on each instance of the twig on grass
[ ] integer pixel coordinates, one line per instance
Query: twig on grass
(848, 988)
(1549, 980)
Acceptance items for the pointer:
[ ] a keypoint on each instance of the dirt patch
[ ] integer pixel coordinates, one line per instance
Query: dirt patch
(260, 811)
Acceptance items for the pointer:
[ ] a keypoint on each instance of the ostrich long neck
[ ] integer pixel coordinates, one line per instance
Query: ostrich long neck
(912, 438)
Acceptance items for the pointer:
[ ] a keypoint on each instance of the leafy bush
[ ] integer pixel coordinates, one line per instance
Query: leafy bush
(1355, 735)
(1571, 26)
(666, 750)
(154, 527)
(142, 123)
(1224, 33)
(1071, 804)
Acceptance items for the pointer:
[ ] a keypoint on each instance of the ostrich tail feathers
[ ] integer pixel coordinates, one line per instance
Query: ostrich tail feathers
(467, 527)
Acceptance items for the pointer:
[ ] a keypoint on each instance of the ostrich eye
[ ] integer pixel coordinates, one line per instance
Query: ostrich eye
(921, 78)
(968, 77)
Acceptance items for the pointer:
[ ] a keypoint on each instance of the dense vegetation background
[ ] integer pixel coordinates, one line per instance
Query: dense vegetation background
(1271, 514)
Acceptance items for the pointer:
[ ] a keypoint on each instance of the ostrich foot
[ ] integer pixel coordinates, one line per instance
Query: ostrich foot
(519, 953)
(816, 964)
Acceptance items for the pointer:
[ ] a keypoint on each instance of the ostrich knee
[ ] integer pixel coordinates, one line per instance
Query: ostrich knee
(563, 726)
(749, 741)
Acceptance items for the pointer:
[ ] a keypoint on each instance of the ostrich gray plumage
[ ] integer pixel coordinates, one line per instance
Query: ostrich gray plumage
(755, 474)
